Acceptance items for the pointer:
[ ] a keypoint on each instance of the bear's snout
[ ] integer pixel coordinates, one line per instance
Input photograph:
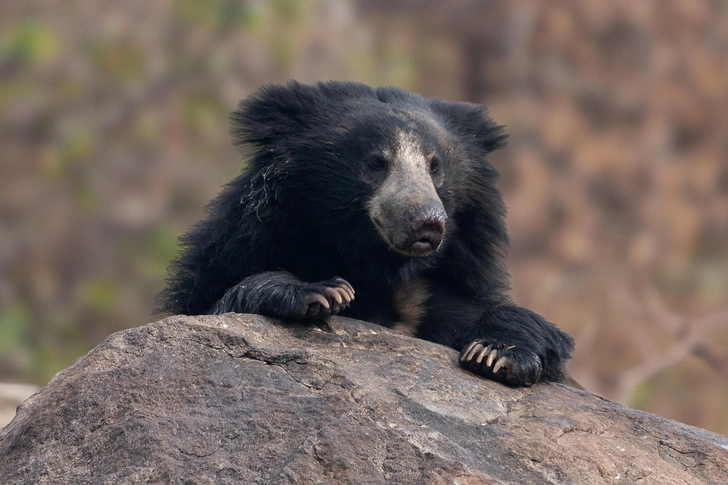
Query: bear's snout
(408, 227)
(427, 229)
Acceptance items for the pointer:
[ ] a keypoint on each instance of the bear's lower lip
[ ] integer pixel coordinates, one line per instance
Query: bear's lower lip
(423, 247)
(420, 248)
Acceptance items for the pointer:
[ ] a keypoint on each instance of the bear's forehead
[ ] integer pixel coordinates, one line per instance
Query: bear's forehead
(414, 129)
(396, 131)
(408, 145)
(417, 121)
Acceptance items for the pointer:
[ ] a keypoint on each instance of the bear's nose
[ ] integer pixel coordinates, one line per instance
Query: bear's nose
(427, 226)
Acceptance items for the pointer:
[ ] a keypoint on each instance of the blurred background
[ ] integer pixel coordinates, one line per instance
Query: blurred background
(114, 135)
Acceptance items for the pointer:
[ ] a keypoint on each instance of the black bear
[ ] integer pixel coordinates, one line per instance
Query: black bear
(381, 191)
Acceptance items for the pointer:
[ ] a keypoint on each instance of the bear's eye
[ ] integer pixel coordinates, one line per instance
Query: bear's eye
(434, 165)
(377, 163)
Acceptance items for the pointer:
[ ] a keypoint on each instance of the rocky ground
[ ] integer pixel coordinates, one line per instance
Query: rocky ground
(246, 399)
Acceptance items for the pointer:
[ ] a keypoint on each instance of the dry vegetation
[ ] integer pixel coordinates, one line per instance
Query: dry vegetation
(114, 135)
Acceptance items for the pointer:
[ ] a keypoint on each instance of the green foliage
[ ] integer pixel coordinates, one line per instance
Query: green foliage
(251, 16)
(202, 113)
(15, 351)
(98, 295)
(152, 252)
(30, 39)
(56, 351)
(217, 14)
(14, 323)
(162, 243)
(289, 11)
(641, 396)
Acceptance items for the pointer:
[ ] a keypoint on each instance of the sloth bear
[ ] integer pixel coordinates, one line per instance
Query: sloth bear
(379, 191)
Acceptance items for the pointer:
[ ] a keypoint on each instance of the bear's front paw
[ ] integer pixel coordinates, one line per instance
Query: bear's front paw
(325, 299)
(500, 362)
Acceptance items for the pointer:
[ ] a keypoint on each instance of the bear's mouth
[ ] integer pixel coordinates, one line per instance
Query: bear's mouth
(421, 242)
(426, 244)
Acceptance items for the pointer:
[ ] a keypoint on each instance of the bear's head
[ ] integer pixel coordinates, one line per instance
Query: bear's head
(392, 165)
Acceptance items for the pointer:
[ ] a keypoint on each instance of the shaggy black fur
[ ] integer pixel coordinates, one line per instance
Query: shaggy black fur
(375, 190)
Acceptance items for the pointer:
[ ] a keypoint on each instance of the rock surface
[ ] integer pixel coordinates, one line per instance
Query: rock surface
(245, 399)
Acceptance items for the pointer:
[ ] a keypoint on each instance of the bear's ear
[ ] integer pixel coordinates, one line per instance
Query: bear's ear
(471, 122)
(276, 113)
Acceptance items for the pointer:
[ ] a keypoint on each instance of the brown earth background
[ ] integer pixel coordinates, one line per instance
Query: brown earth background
(113, 136)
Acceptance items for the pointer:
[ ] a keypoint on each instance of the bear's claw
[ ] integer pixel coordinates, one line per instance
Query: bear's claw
(327, 298)
(501, 362)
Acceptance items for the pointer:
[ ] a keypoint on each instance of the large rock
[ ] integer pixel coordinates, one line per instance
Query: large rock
(245, 399)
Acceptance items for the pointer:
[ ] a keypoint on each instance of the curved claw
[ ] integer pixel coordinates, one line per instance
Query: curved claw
(326, 298)
(335, 294)
(317, 298)
(466, 351)
(502, 362)
(340, 289)
(483, 353)
(344, 285)
(472, 350)
(492, 357)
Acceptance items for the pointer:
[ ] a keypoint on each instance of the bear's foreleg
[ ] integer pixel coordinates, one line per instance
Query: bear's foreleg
(516, 346)
(280, 294)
